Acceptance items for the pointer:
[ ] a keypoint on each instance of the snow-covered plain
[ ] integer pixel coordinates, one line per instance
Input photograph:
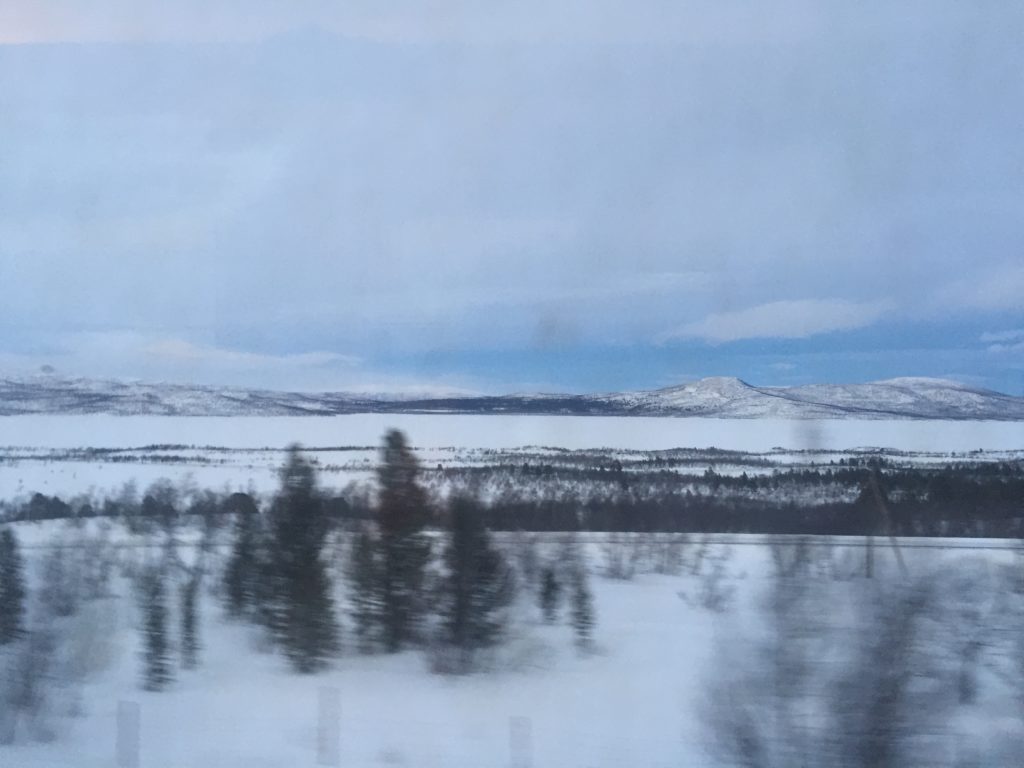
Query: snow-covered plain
(638, 700)
(243, 708)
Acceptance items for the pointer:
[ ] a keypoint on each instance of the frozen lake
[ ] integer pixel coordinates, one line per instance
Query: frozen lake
(504, 432)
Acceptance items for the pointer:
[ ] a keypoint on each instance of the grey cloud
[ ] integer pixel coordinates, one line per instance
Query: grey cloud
(614, 169)
(783, 319)
(1016, 334)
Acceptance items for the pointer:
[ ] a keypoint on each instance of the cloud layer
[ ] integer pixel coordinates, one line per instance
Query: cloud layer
(783, 320)
(405, 183)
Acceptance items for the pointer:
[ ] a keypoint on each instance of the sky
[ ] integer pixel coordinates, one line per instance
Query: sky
(504, 197)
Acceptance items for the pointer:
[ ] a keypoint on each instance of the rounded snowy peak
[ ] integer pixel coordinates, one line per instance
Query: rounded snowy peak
(724, 385)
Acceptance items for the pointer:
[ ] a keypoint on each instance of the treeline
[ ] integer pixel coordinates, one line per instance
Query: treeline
(981, 512)
(961, 499)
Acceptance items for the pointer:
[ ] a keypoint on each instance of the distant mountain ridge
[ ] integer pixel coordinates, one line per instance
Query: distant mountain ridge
(717, 397)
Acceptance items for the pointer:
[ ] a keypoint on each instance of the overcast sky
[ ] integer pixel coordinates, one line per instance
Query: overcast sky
(512, 196)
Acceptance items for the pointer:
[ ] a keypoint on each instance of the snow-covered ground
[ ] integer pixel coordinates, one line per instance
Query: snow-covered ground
(639, 700)
(244, 709)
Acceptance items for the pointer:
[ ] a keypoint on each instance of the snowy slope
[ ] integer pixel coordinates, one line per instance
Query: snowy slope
(718, 397)
(57, 395)
(913, 396)
(894, 398)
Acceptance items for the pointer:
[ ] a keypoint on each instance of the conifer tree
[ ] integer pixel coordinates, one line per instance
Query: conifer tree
(477, 587)
(405, 549)
(157, 672)
(527, 559)
(12, 588)
(59, 588)
(312, 634)
(364, 580)
(299, 609)
(242, 572)
(189, 598)
(550, 591)
(25, 696)
(581, 601)
(582, 608)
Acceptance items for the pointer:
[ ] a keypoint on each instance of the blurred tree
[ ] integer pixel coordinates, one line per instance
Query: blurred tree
(582, 608)
(299, 610)
(242, 572)
(60, 584)
(12, 588)
(402, 515)
(478, 584)
(189, 598)
(550, 590)
(157, 672)
(364, 579)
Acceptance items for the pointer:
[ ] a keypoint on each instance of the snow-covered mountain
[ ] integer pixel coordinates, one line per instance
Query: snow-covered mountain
(919, 398)
(58, 395)
(913, 398)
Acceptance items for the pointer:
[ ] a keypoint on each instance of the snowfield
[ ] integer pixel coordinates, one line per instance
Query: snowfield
(244, 709)
(664, 644)
(640, 699)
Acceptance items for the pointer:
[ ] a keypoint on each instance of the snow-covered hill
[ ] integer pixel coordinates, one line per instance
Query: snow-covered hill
(721, 397)
(893, 398)
(55, 395)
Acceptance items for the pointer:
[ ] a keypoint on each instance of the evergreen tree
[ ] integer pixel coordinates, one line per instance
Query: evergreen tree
(59, 589)
(299, 609)
(267, 592)
(550, 591)
(25, 698)
(312, 634)
(242, 572)
(477, 587)
(12, 588)
(527, 559)
(157, 672)
(364, 590)
(582, 608)
(405, 548)
(189, 598)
